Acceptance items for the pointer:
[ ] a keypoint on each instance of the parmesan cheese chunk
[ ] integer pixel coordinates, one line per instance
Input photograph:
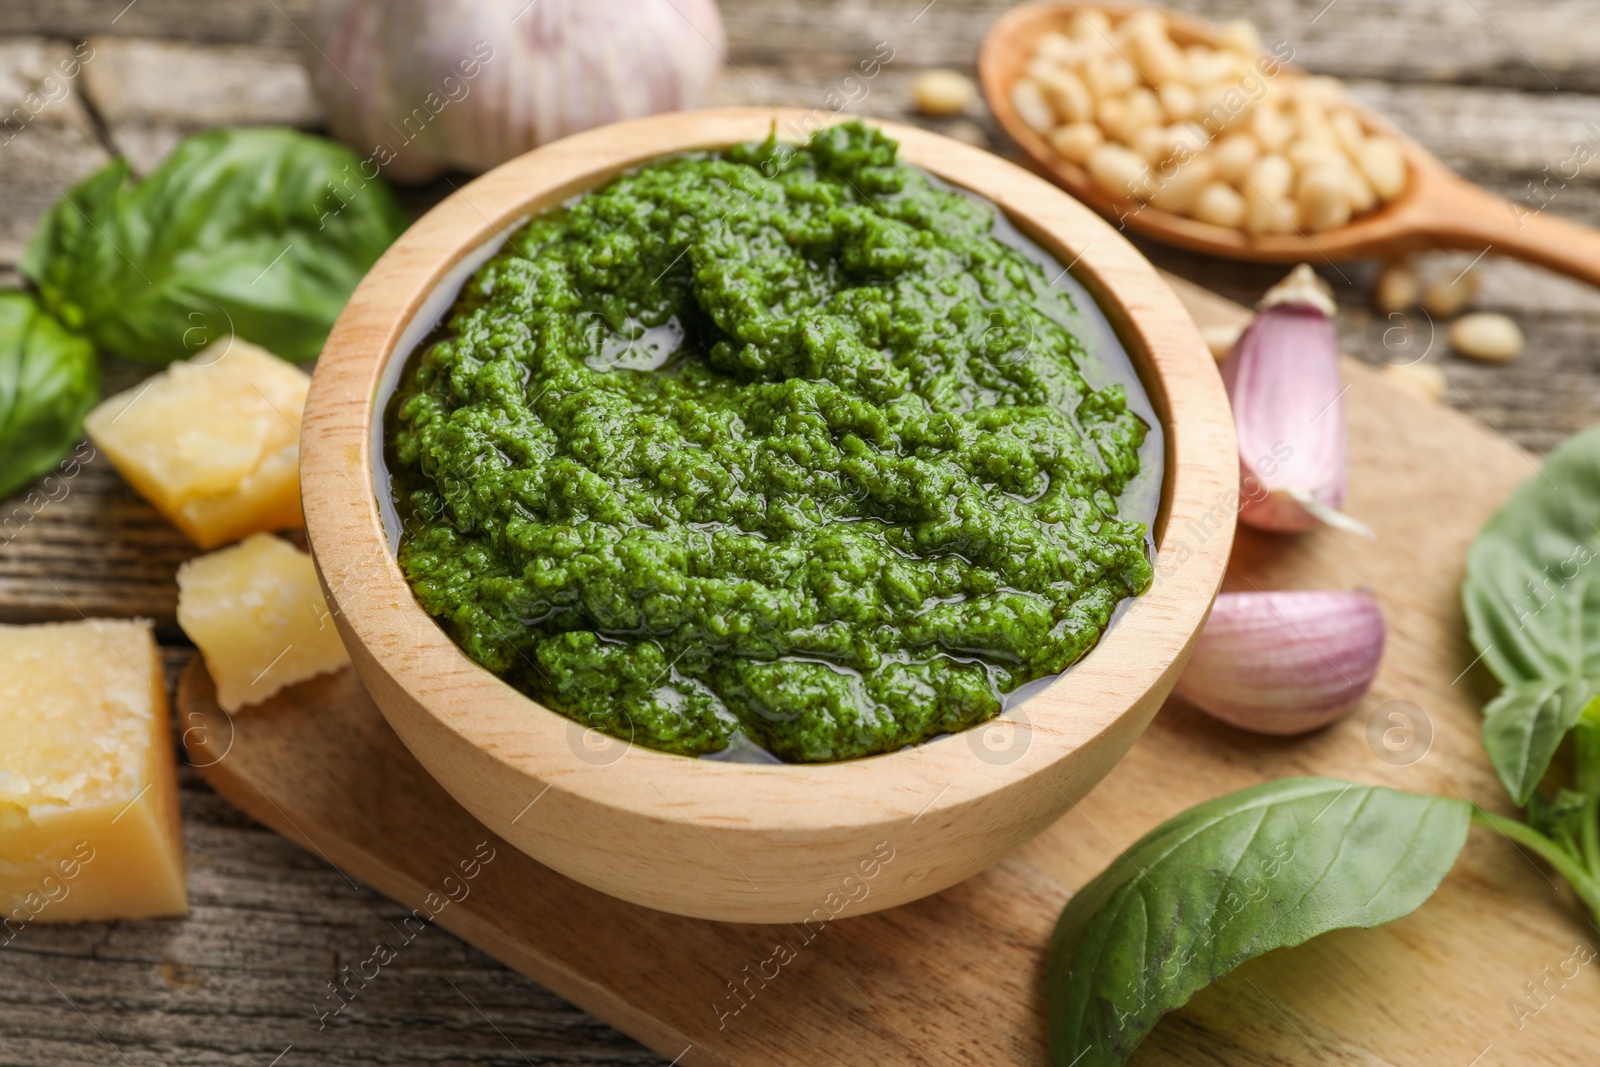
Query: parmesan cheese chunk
(213, 443)
(258, 616)
(89, 824)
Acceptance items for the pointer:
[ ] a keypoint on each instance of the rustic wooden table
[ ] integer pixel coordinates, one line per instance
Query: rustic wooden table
(1501, 89)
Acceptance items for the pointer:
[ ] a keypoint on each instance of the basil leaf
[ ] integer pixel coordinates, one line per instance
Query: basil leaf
(1533, 609)
(1588, 748)
(1267, 867)
(49, 378)
(1559, 817)
(1525, 724)
(262, 233)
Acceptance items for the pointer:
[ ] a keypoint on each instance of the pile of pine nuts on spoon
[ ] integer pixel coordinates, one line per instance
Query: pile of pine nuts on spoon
(1221, 134)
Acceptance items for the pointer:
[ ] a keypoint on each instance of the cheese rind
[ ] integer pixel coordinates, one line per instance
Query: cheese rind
(89, 822)
(213, 443)
(258, 616)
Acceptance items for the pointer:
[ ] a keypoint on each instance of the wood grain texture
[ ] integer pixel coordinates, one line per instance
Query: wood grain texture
(720, 839)
(270, 925)
(1506, 43)
(151, 93)
(955, 978)
(48, 138)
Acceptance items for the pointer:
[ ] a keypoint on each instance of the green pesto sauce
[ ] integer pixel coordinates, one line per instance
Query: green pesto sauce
(775, 441)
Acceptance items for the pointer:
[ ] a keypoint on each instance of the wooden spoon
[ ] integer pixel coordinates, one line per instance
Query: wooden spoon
(1438, 209)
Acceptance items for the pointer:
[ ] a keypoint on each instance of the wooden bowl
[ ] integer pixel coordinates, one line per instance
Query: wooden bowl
(731, 841)
(1437, 209)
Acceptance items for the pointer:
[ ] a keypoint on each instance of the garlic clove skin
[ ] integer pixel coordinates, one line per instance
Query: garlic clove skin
(1288, 409)
(1289, 417)
(420, 87)
(1285, 663)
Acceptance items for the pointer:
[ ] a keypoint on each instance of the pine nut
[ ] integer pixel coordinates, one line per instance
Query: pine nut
(1348, 129)
(1486, 336)
(1109, 113)
(1384, 165)
(1177, 191)
(1233, 156)
(1159, 59)
(1118, 170)
(1219, 205)
(1061, 48)
(1207, 65)
(1154, 143)
(1143, 110)
(1178, 100)
(1306, 155)
(1068, 96)
(1323, 199)
(1076, 141)
(1271, 128)
(1271, 176)
(1448, 295)
(1242, 37)
(1090, 25)
(1362, 198)
(947, 92)
(1266, 215)
(1397, 289)
(1028, 99)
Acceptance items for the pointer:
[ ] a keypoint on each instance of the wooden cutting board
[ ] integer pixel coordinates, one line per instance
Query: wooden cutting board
(956, 979)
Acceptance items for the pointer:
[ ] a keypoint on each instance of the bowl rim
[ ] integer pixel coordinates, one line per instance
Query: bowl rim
(393, 642)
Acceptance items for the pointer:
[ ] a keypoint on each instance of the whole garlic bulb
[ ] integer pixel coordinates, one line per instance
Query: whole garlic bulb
(422, 86)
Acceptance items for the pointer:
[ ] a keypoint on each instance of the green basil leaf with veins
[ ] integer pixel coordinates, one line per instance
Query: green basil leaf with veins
(49, 378)
(259, 232)
(1533, 609)
(1267, 867)
(1588, 748)
(1525, 724)
(1558, 817)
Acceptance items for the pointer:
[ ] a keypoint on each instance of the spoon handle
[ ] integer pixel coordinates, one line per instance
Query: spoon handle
(1461, 215)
